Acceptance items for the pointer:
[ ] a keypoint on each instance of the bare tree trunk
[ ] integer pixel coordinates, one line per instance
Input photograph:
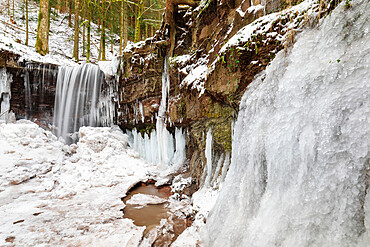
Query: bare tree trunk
(69, 13)
(111, 35)
(42, 38)
(102, 39)
(125, 27)
(122, 26)
(26, 1)
(76, 35)
(59, 4)
(139, 20)
(88, 32)
(84, 40)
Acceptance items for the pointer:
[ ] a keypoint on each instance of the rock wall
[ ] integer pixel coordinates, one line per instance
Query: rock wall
(32, 87)
(208, 72)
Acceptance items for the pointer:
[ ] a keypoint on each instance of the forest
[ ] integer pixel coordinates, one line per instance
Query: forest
(118, 22)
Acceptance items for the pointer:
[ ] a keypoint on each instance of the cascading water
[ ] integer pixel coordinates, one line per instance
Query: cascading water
(77, 99)
(39, 82)
(300, 164)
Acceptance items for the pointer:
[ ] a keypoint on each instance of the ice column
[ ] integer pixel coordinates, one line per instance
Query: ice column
(161, 147)
(5, 81)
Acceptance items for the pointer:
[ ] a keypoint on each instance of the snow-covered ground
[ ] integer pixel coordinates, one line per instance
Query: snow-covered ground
(52, 194)
(13, 36)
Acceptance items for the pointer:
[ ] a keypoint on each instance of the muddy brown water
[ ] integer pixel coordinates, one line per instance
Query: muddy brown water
(149, 215)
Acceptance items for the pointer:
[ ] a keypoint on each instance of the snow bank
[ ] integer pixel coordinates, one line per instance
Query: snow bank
(59, 195)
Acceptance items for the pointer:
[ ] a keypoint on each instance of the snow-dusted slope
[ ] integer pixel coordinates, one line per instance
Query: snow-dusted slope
(13, 36)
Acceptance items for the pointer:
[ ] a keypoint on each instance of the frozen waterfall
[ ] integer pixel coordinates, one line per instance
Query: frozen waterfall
(161, 146)
(5, 81)
(78, 100)
(300, 161)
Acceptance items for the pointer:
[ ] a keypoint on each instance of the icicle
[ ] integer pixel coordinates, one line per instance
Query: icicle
(208, 153)
(5, 81)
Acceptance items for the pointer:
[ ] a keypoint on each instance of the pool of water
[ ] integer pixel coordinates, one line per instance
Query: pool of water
(149, 215)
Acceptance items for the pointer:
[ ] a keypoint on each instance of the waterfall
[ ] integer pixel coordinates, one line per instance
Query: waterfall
(39, 84)
(77, 99)
(300, 162)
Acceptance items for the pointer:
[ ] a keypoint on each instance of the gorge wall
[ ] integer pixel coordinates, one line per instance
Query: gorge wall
(219, 48)
(216, 56)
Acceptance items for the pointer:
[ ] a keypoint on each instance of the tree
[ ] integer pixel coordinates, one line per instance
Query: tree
(139, 19)
(26, 3)
(88, 30)
(42, 37)
(123, 27)
(77, 30)
(140, 12)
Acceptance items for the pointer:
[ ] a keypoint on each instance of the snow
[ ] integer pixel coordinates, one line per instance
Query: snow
(252, 9)
(55, 194)
(298, 174)
(132, 46)
(145, 199)
(263, 24)
(109, 67)
(197, 74)
(181, 60)
(255, 8)
(60, 36)
(202, 202)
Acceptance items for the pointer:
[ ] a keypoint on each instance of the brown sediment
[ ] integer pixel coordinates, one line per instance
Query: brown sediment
(150, 215)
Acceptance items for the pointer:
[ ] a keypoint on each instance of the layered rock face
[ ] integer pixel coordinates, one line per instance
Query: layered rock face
(214, 60)
(32, 87)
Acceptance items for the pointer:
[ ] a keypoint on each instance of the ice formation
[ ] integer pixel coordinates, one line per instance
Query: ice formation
(5, 81)
(216, 166)
(147, 146)
(160, 147)
(300, 147)
(207, 173)
(78, 100)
